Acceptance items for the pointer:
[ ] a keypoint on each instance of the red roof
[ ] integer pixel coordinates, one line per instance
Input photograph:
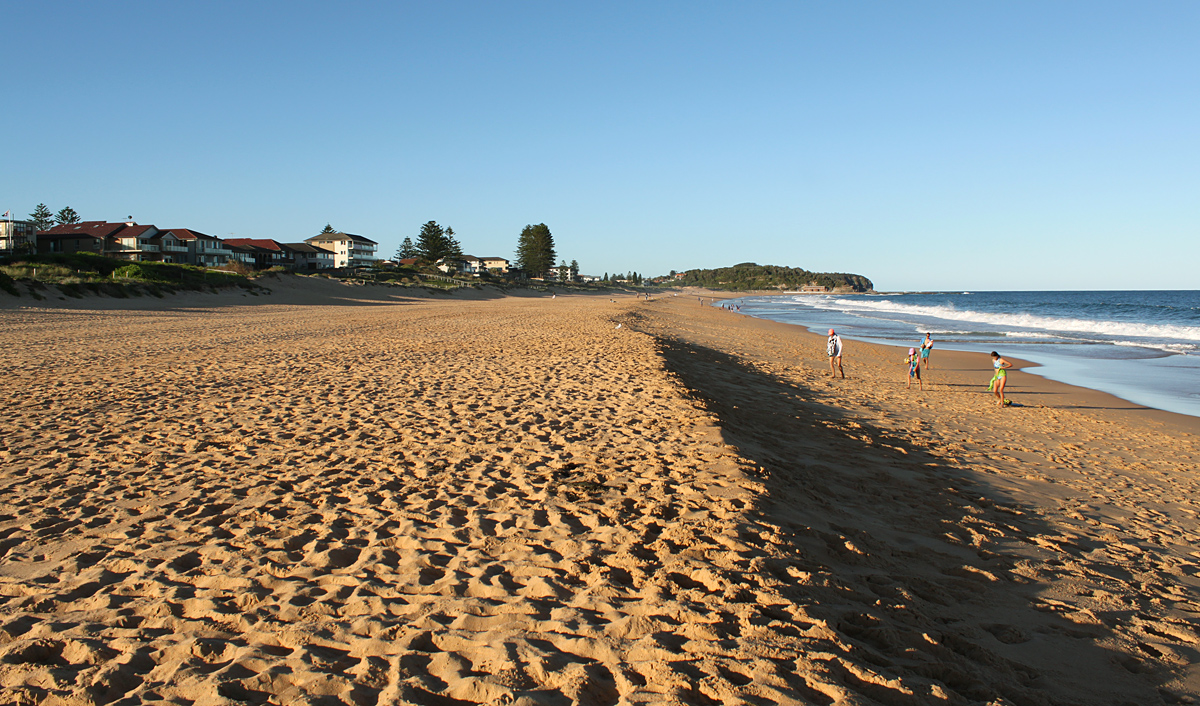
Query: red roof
(265, 244)
(407, 261)
(88, 229)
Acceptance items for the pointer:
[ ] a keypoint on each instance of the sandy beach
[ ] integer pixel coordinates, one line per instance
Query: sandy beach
(362, 495)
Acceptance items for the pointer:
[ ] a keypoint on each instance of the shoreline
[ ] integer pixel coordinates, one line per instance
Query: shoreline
(1096, 373)
(1073, 396)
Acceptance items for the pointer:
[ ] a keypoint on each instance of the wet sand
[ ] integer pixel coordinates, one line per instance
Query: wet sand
(357, 495)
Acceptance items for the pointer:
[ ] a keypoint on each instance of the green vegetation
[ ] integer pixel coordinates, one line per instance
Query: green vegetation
(435, 242)
(42, 218)
(749, 275)
(406, 250)
(535, 250)
(78, 274)
(8, 284)
(66, 216)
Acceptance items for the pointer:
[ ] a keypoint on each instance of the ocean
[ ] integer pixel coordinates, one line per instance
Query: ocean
(1138, 345)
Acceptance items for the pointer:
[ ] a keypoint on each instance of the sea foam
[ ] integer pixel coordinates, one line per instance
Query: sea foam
(1115, 329)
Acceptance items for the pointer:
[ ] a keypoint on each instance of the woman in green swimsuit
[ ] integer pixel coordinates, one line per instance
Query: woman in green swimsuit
(1000, 377)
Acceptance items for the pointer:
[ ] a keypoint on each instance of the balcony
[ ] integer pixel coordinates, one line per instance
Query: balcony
(174, 248)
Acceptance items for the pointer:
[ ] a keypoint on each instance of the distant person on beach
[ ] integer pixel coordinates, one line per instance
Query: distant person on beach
(834, 350)
(999, 378)
(914, 369)
(926, 349)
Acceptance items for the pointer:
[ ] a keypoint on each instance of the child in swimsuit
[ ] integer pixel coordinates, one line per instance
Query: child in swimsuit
(999, 378)
(914, 369)
(926, 347)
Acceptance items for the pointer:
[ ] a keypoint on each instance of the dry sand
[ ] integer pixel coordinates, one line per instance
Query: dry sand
(344, 495)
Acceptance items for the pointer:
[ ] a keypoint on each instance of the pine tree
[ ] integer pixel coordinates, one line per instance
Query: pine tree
(327, 229)
(535, 250)
(453, 248)
(66, 216)
(435, 242)
(574, 270)
(42, 218)
(407, 250)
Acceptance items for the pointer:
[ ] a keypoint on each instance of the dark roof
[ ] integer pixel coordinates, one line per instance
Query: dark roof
(83, 229)
(135, 231)
(306, 248)
(339, 236)
(263, 243)
(189, 234)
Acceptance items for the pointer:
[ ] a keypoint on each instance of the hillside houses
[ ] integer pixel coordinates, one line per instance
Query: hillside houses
(134, 242)
(147, 243)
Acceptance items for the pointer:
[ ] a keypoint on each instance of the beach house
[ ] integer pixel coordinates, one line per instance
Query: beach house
(264, 251)
(451, 265)
(17, 236)
(348, 250)
(309, 258)
(135, 243)
(494, 264)
(125, 241)
(171, 248)
(201, 250)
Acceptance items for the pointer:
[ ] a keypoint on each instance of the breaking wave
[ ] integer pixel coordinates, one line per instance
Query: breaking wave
(1114, 329)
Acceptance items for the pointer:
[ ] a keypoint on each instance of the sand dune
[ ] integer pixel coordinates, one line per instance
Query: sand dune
(355, 496)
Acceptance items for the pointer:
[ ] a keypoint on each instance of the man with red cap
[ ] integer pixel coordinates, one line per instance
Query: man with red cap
(834, 349)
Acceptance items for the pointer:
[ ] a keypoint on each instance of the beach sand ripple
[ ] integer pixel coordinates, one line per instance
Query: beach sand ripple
(513, 501)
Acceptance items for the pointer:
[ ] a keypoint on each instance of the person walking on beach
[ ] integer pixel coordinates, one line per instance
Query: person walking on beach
(926, 349)
(914, 369)
(834, 350)
(999, 378)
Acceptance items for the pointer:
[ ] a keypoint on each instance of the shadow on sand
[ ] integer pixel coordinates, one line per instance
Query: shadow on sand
(921, 568)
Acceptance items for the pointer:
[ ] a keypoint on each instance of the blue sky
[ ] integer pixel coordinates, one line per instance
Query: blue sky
(933, 145)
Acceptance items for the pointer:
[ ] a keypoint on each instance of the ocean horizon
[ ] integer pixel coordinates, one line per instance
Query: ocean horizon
(1140, 345)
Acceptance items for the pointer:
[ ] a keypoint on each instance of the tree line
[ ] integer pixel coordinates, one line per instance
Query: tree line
(43, 219)
(433, 243)
(535, 253)
(631, 277)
